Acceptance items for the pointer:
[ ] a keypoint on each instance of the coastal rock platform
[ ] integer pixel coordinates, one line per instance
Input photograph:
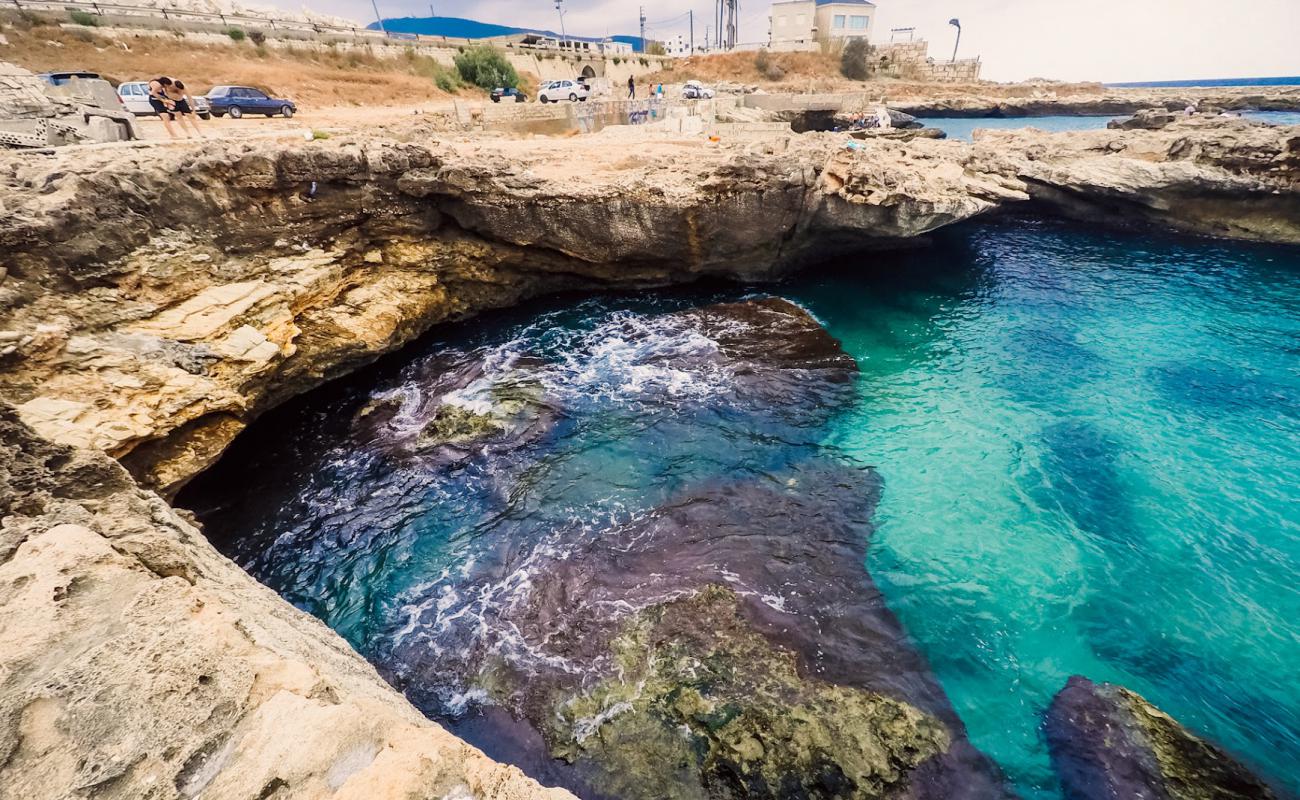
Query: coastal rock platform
(154, 300)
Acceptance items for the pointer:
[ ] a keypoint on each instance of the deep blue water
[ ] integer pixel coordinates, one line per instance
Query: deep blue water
(963, 127)
(1088, 444)
(1290, 80)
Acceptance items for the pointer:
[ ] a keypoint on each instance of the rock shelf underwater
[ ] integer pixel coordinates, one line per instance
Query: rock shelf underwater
(659, 501)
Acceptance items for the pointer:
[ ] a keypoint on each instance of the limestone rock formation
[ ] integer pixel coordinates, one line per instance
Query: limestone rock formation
(136, 662)
(1045, 99)
(151, 317)
(1215, 175)
(1108, 742)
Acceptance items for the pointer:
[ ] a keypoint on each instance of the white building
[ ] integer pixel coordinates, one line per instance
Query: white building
(805, 24)
(678, 45)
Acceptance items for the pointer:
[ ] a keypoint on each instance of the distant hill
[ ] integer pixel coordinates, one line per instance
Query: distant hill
(460, 28)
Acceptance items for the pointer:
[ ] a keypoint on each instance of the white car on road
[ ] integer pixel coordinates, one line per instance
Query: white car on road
(555, 91)
(694, 90)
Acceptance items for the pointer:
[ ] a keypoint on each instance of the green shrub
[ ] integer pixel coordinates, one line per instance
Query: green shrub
(84, 18)
(853, 61)
(656, 49)
(486, 67)
(235, 34)
(445, 78)
(617, 61)
(258, 37)
(645, 62)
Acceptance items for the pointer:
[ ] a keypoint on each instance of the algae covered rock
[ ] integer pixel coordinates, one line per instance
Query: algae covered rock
(699, 689)
(1108, 742)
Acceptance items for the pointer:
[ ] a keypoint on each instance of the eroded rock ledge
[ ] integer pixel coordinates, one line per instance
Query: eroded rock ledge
(137, 662)
(154, 300)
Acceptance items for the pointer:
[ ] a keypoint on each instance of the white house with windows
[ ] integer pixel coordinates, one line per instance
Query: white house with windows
(804, 24)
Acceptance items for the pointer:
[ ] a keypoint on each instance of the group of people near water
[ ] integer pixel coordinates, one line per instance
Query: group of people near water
(169, 101)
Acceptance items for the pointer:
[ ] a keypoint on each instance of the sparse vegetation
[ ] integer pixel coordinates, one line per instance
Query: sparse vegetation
(767, 67)
(235, 34)
(487, 68)
(656, 49)
(84, 18)
(853, 61)
(257, 37)
(313, 77)
(617, 61)
(645, 62)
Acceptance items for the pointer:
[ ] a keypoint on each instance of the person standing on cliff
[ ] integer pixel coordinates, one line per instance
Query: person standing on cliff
(182, 108)
(163, 105)
(631, 88)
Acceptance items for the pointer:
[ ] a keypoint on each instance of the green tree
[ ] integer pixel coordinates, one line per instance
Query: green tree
(487, 68)
(853, 61)
(656, 49)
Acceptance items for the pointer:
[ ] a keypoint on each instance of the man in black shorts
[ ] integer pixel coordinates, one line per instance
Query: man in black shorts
(181, 108)
(161, 104)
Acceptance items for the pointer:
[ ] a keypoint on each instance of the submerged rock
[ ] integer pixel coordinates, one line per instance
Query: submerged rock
(698, 690)
(1107, 742)
(727, 644)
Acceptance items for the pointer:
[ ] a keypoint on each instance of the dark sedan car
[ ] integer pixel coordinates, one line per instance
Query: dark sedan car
(240, 100)
(507, 94)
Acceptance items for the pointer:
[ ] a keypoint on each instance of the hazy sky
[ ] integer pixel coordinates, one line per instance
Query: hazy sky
(1109, 40)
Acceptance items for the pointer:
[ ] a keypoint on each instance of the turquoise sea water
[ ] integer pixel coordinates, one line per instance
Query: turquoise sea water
(964, 127)
(1088, 442)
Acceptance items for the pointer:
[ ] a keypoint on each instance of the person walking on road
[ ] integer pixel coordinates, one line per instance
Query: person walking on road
(631, 88)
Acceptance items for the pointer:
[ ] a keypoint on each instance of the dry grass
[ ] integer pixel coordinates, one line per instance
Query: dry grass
(820, 72)
(797, 70)
(311, 78)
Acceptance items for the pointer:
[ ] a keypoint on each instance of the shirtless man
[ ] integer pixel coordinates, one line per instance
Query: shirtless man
(181, 107)
(163, 105)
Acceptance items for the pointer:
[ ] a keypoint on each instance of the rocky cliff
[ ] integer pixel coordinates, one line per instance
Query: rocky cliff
(137, 662)
(1210, 175)
(156, 299)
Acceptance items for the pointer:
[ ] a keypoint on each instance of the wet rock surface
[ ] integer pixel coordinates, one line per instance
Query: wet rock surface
(1109, 742)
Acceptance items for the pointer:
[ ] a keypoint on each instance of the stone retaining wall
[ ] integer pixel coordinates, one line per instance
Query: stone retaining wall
(911, 61)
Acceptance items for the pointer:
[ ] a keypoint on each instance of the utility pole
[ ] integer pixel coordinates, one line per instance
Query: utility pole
(692, 15)
(559, 7)
(431, 14)
(375, 6)
(644, 46)
(956, 22)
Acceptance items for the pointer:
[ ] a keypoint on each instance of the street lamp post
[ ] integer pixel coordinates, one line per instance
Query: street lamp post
(955, 22)
(559, 7)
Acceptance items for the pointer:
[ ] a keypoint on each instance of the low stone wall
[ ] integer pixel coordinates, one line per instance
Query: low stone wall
(911, 61)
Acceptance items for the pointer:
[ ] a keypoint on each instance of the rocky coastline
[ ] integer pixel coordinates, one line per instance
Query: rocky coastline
(149, 319)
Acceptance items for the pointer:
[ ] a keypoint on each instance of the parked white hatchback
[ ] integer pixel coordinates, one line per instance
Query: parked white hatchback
(555, 91)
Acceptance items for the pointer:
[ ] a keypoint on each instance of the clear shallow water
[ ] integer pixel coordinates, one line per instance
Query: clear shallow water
(1089, 445)
(963, 127)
